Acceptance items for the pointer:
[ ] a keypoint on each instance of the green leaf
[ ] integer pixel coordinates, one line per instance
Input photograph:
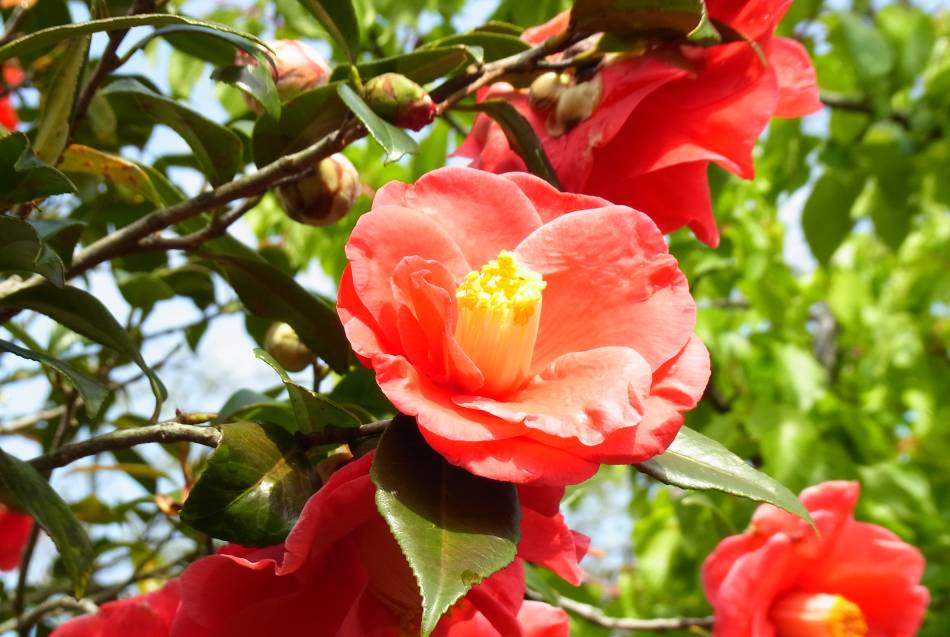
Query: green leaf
(21, 249)
(421, 66)
(254, 487)
(47, 38)
(677, 20)
(869, 50)
(694, 461)
(304, 120)
(395, 141)
(359, 387)
(36, 497)
(455, 528)
(313, 412)
(826, 217)
(271, 294)
(59, 234)
(521, 137)
(143, 289)
(92, 392)
(208, 43)
(85, 314)
(494, 46)
(338, 17)
(217, 149)
(117, 170)
(25, 177)
(56, 105)
(255, 80)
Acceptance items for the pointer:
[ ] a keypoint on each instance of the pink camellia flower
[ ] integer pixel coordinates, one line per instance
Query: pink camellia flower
(298, 67)
(14, 533)
(642, 130)
(780, 579)
(341, 573)
(443, 298)
(148, 615)
(536, 619)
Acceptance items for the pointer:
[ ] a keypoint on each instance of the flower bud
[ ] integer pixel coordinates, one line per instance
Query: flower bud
(298, 67)
(577, 102)
(546, 88)
(399, 100)
(287, 349)
(323, 198)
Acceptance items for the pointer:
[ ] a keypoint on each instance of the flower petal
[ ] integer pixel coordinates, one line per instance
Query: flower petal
(751, 18)
(616, 288)
(548, 200)
(797, 82)
(545, 538)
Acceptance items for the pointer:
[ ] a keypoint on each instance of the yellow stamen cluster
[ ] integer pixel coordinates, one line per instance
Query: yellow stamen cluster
(818, 615)
(499, 309)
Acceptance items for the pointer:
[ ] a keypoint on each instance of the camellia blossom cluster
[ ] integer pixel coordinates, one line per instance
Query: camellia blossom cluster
(782, 579)
(533, 334)
(643, 129)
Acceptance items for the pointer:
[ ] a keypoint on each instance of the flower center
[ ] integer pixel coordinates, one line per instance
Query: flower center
(499, 309)
(817, 615)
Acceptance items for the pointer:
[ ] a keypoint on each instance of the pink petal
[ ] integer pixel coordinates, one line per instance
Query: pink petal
(545, 538)
(538, 619)
(548, 200)
(797, 83)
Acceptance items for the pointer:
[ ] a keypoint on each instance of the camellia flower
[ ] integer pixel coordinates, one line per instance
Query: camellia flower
(341, 572)
(148, 615)
(298, 67)
(12, 76)
(642, 130)
(533, 334)
(14, 533)
(535, 619)
(781, 579)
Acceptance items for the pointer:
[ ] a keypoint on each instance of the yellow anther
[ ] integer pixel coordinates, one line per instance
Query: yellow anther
(818, 615)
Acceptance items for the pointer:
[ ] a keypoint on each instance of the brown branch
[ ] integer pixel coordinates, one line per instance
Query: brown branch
(598, 617)
(25, 422)
(334, 435)
(217, 227)
(38, 612)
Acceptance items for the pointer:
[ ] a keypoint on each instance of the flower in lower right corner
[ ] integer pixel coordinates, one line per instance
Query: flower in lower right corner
(781, 579)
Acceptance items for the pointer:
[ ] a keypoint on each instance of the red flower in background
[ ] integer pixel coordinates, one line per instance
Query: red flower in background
(148, 615)
(780, 579)
(453, 324)
(12, 77)
(14, 532)
(643, 131)
(341, 571)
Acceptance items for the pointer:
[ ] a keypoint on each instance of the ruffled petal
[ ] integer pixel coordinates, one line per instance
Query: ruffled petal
(545, 538)
(538, 619)
(797, 82)
(550, 202)
(751, 18)
(14, 533)
(616, 288)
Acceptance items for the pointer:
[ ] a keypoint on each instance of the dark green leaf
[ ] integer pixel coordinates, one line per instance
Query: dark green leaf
(254, 486)
(395, 141)
(454, 528)
(21, 249)
(313, 412)
(59, 234)
(143, 289)
(652, 19)
(47, 38)
(522, 138)
(36, 497)
(93, 394)
(85, 314)
(494, 46)
(56, 105)
(23, 176)
(869, 50)
(304, 120)
(217, 149)
(694, 461)
(339, 19)
(420, 66)
(826, 218)
(359, 387)
(271, 294)
(255, 80)
(207, 43)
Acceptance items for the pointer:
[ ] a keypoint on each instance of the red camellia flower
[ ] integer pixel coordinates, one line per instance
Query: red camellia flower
(148, 615)
(12, 76)
(443, 296)
(642, 130)
(340, 572)
(14, 532)
(780, 579)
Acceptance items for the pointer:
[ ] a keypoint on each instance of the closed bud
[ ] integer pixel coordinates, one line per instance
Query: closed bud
(323, 198)
(298, 67)
(287, 349)
(400, 101)
(576, 103)
(546, 88)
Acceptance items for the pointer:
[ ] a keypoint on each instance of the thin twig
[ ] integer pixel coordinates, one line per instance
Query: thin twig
(38, 612)
(597, 617)
(336, 435)
(216, 228)
(25, 422)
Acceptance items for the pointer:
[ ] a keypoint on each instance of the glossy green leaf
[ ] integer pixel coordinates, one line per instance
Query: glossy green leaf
(521, 137)
(313, 412)
(56, 105)
(253, 488)
(395, 141)
(217, 149)
(143, 289)
(36, 497)
(454, 528)
(694, 461)
(494, 46)
(22, 249)
(47, 38)
(86, 315)
(59, 234)
(246, 404)
(826, 217)
(338, 17)
(304, 120)
(653, 19)
(255, 80)
(207, 43)
(24, 176)
(269, 293)
(421, 66)
(92, 392)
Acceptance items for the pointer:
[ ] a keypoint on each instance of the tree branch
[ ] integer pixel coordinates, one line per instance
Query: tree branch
(38, 612)
(597, 617)
(337, 435)
(217, 227)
